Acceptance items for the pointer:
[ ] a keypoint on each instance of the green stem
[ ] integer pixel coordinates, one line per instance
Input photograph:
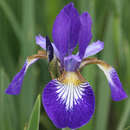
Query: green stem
(12, 19)
(125, 116)
(103, 98)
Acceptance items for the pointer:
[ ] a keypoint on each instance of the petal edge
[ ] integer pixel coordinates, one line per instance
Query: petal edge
(94, 48)
(117, 91)
(66, 29)
(85, 34)
(59, 106)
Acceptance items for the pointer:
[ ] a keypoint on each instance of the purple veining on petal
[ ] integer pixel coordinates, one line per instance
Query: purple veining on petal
(14, 87)
(67, 106)
(66, 30)
(117, 90)
(85, 34)
(94, 48)
(71, 63)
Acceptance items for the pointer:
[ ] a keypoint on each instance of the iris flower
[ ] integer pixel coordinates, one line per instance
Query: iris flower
(68, 98)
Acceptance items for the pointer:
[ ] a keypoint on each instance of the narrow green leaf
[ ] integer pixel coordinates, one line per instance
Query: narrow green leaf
(27, 96)
(51, 13)
(8, 12)
(28, 26)
(125, 116)
(103, 100)
(124, 120)
(66, 129)
(126, 18)
(7, 105)
(6, 44)
(35, 115)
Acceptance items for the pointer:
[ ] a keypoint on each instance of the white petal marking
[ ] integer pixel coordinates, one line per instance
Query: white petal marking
(107, 72)
(69, 94)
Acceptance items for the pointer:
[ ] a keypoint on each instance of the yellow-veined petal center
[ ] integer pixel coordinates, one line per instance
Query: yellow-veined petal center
(74, 78)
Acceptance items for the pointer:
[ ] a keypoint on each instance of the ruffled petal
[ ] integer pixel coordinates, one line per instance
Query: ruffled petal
(66, 30)
(41, 41)
(14, 87)
(117, 91)
(68, 105)
(85, 34)
(93, 48)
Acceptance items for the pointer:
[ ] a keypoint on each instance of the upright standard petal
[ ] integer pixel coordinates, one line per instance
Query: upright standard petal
(93, 48)
(117, 91)
(85, 34)
(68, 105)
(66, 29)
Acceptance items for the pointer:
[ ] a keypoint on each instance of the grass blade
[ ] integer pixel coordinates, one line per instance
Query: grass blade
(27, 96)
(103, 99)
(8, 12)
(7, 106)
(35, 115)
(125, 116)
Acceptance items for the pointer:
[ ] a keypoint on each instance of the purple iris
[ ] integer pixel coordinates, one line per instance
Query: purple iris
(68, 99)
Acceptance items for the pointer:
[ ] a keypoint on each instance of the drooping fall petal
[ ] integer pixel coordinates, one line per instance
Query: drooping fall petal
(117, 91)
(14, 87)
(68, 105)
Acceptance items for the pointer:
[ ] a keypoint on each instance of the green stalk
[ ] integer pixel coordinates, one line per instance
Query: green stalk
(125, 116)
(28, 26)
(103, 100)
(13, 21)
(126, 112)
(27, 96)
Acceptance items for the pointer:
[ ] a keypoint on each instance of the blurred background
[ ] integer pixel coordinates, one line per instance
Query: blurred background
(22, 20)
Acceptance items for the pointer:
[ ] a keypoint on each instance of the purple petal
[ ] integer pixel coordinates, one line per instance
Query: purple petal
(66, 30)
(68, 105)
(93, 48)
(41, 41)
(85, 34)
(71, 63)
(14, 87)
(117, 91)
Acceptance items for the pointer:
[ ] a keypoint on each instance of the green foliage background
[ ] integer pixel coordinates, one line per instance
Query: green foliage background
(21, 21)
